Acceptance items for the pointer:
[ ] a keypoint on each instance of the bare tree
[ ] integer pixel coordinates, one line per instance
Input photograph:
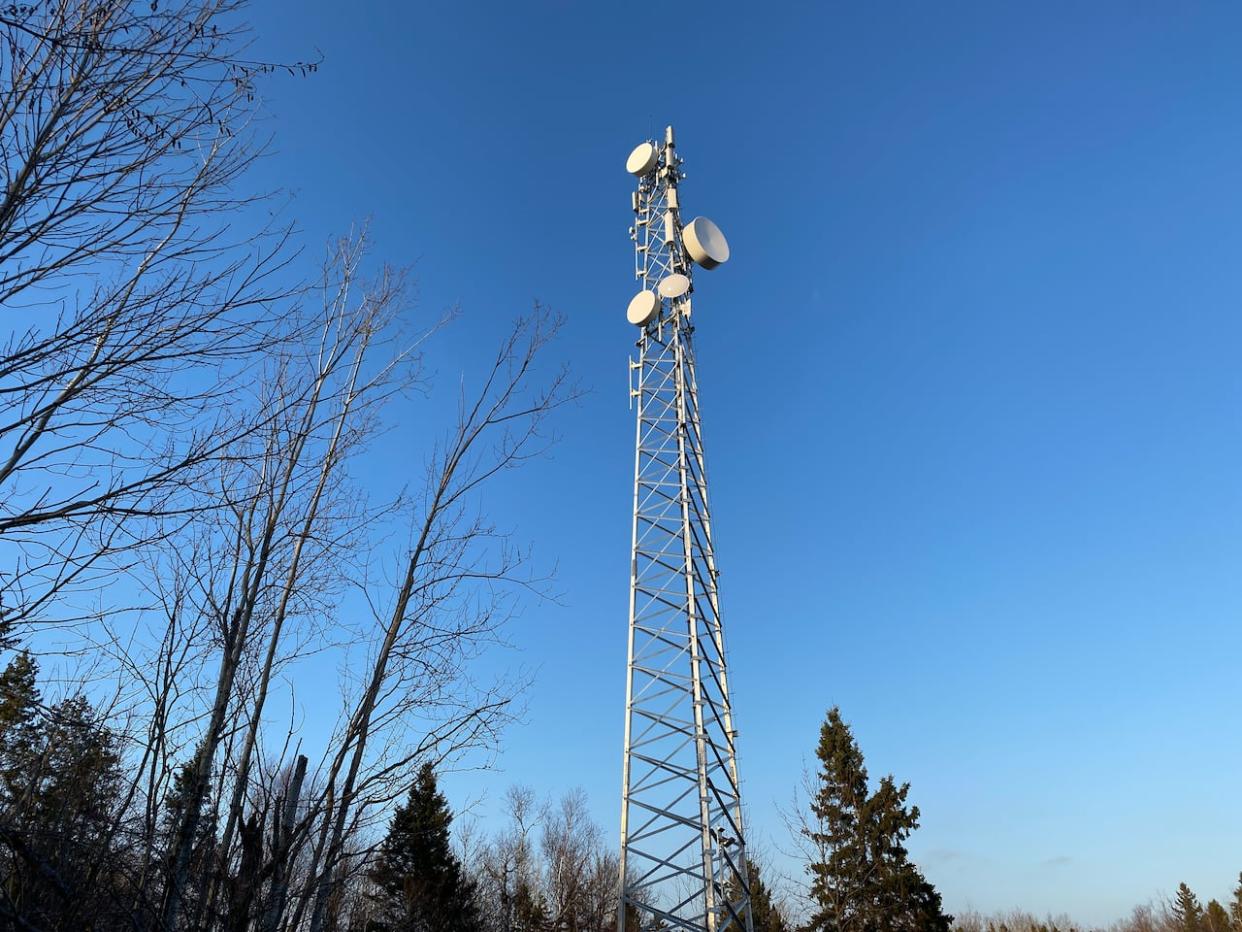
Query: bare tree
(124, 127)
(581, 870)
(563, 881)
(416, 700)
(508, 868)
(289, 527)
(807, 845)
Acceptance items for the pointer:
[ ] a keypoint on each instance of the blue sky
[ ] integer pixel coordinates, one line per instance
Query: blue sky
(970, 386)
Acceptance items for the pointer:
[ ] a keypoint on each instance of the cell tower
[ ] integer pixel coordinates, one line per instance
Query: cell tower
(683, 853)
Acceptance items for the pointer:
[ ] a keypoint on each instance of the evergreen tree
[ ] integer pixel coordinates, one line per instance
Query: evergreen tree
(841, 797)
(81, 771)
(181, 796)
(1215, 919)
(530, 911)
(59, 793)
(7, 641)
(1235, 908)
(421, 884)
(764, 912)
(1187, 912)
(865, 881)
(19, 727)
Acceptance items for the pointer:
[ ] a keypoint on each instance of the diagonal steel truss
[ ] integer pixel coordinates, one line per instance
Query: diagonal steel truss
(683, 852)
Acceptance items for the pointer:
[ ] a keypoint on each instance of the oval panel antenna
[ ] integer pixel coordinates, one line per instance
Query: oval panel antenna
(705, 243)
(674, 286)
(642, 159)
(643, 307)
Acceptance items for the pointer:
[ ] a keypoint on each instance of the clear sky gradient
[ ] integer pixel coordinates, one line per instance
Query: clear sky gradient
(971, 386)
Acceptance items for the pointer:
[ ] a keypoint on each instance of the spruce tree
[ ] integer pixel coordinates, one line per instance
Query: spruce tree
(82, 778)
(421, 885)
(1187, 912)
(59, 791)
(181, 797)
(530, 912)
(19, 727)
(1235, 908)
(864, 881)
(837, 880)
(765, 914)
(7, 640)
(1215, 919)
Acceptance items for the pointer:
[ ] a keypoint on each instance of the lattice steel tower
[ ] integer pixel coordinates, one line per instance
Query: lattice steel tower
(683, 852)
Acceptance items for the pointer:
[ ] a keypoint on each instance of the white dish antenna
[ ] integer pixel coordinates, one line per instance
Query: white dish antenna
(674, 286)
(642, 159)
(705, 243)
(643, 307)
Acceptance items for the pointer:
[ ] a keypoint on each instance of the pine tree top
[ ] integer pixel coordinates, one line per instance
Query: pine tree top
(422, 884)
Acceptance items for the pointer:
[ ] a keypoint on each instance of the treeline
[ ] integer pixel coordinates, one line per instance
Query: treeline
(1183, 913)
(81, 849)
(79, 854)
(549, 868)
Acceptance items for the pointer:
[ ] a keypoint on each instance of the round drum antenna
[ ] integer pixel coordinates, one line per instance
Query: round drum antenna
(643, 307)
(642, 159)
(705, 243)
(674, 286)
